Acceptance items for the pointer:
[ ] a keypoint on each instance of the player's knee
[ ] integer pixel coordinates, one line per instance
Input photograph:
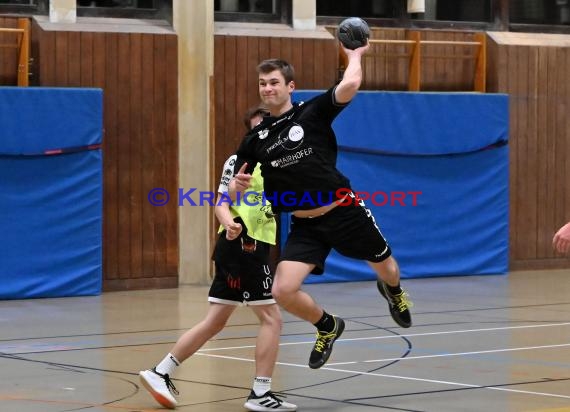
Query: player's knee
(281, 294)
(272, 318)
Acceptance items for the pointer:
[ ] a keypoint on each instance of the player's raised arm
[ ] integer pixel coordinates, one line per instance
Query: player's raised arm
(353, 36)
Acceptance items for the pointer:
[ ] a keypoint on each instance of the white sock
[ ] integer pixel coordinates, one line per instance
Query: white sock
(261, 385)
(167, 365)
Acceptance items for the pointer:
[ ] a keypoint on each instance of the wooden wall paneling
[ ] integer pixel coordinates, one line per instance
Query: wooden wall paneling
(319, 59)
(308, 55)
(518, 86)
(171, 156)
(35, 41)
(447, 73)
(138, 194)
(158, 149)
(110, 186)
(4, 71)
(86, 64)
(46, 65)
(286, 49)
(508, 65)
(249, 88)
(527, 69)
(561, 214)
(220, 101)
(547, 204)
(540, 150)
(493, 68)
(379, 77)
(148, 155)
(244, 47)
(275, 46)
(429, 66)
(123, 156)
(502, 71)
(213, 150)
(464, 57)
(138, 73)
(528, 153)
(263, 50)
(564, 154)
(99, 63)
(8, 55)
(453, 64)
(24, 53)
(221, 128)
(241, 79)
(296, 60)
(61, 58)
(230, 83)
(74, 59)
(329, 72)
(368, 67)
(466, 62)
(446, 68)
(398, 71)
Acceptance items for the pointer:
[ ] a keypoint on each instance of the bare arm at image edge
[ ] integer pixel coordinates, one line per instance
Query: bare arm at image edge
(561, 241)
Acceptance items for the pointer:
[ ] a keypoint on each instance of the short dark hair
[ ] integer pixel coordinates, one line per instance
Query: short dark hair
(269, 65)
(253, 112)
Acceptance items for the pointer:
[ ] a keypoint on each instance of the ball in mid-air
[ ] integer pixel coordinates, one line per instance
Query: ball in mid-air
(353, 32)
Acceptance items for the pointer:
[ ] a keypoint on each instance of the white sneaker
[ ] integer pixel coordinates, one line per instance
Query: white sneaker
(160, 387)
(268, 402)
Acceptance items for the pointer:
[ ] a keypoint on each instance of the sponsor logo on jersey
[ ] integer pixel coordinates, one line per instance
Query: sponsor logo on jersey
(292, 158)
(262, 134)
(288, 139)
(296, 133)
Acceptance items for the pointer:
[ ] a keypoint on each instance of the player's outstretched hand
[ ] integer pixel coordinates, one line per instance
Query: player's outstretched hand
(561, 241)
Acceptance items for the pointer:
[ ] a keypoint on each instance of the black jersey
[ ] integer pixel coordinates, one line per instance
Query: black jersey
(298, 153)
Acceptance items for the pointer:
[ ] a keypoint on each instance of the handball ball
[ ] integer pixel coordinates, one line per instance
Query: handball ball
(353, 32)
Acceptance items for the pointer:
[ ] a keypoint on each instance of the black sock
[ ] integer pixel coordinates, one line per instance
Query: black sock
(394, 290)
(326, 323)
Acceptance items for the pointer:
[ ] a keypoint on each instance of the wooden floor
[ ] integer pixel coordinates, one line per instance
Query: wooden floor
(491, 343)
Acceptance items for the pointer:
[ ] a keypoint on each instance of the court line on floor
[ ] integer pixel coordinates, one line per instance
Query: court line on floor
(409, 378)
(399, 336)
(442, 355)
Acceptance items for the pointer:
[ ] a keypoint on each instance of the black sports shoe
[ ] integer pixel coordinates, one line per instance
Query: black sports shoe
(324, 344)
(269, 401)
(399, 305)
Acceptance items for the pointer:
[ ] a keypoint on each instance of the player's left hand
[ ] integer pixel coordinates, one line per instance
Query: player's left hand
(561, 241)
(242, 180)
(233, 230)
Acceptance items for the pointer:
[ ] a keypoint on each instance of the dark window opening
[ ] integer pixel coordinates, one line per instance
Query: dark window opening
(263, 11)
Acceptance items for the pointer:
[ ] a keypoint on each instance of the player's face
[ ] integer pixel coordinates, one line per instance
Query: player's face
(274, 92)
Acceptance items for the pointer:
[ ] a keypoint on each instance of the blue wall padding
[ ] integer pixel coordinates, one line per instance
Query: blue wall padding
(73, 117)
(460, 223)
(421, 123)
(51, 206)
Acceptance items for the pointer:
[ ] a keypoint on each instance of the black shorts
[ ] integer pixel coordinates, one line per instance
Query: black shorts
(350, 230)
(243, 276)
